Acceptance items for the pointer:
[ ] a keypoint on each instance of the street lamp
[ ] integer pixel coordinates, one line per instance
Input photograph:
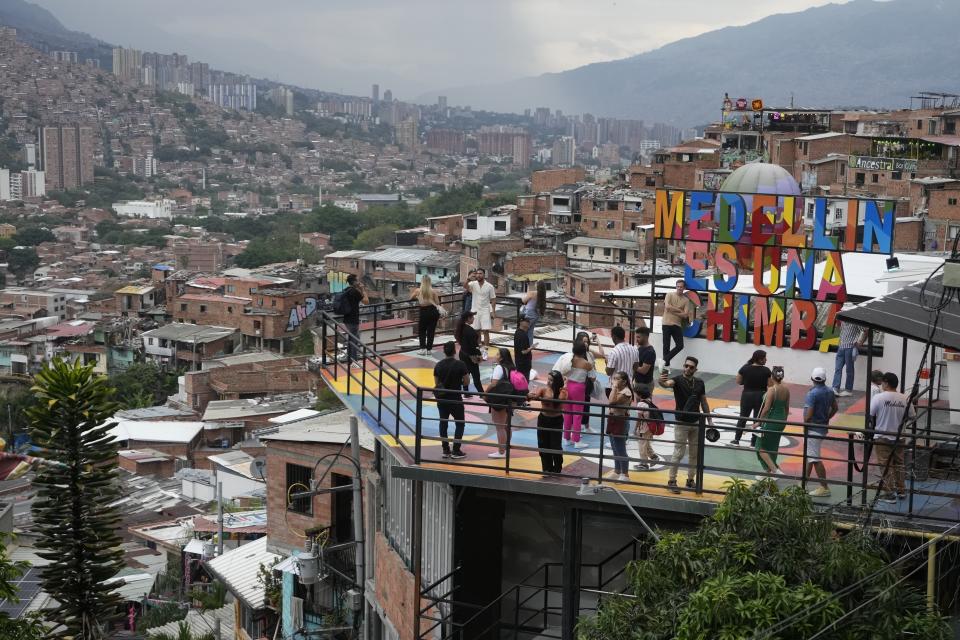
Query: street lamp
(588, 490)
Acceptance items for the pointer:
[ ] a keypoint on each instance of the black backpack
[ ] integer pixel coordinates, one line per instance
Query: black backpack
(341, 303)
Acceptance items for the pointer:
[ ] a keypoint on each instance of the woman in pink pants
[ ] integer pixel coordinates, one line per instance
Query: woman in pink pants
(576, 386)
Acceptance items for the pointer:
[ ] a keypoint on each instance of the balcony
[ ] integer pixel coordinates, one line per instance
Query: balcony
(391, 388)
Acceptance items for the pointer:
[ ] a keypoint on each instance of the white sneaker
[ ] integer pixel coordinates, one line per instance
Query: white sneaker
(844, 393)
(820, 492)
(778, 472)
(623, 477)
(581, 445)
(497, 455)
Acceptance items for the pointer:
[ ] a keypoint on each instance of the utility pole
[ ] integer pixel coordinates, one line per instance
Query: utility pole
(219, 518)
(358, 516)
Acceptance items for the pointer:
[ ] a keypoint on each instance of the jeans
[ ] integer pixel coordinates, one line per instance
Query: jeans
(427, 326)
(846, 356)
(447, 408)
(675, 332)
(533, 317)
(620, 461)
(474, 370)
(750, 404)
(353, 341)
(548, 437)
(685, 436)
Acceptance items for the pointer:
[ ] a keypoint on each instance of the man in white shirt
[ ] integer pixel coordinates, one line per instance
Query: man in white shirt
(484, 297)
(623, 356)
(888, 410)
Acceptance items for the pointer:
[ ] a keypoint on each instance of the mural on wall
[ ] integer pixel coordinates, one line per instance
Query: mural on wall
(337, 281)
(301, 312)
(764, 234)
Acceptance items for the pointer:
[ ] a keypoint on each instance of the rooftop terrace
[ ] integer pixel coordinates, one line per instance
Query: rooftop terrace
(391, 390)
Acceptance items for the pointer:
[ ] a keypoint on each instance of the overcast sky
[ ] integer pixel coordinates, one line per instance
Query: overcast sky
(410, 46)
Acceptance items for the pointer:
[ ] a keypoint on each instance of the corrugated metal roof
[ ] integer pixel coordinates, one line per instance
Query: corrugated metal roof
(604, 242)
(135, 290)
(191, 333)
(156, 431)
(238, 570)
(821, 136)
(328, 428)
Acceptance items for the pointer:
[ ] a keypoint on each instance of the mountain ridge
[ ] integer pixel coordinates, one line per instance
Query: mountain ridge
(810, 54)
(39, 28)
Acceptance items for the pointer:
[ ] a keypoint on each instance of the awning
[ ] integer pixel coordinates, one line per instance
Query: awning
(899, 313)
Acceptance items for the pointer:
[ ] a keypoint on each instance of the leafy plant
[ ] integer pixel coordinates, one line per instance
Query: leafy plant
(159, 616)
(74, 513)
(184, 633)
(271, 582)
(764, 556)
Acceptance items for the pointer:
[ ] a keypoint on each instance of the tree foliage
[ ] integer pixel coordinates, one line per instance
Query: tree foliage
(143, 384)
(72, 512)
(763, 557)
(22, 260)
(32, 236)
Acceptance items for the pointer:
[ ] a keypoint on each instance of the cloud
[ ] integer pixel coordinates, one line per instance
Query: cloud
(410, 46)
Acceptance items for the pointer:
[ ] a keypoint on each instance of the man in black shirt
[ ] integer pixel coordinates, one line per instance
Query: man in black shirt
(355, 294)
(643, 370)
(522, 349)
(690, 396)
(451, 373)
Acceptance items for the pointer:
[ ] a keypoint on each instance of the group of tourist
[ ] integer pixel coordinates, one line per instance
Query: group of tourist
(568, 392)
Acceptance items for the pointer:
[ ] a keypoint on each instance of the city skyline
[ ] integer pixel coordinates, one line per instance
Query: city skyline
(503, 41)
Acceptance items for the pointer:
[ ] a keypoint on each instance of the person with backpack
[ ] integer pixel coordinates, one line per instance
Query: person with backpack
(690, 396)
(776, 407)
(649, 425)
(621, 397)
(646, 361)
(347, 304)
(501, 408)
(550, 422)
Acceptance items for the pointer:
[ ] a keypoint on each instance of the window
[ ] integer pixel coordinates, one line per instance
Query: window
(953, 231)
(229, 309)
(860, 178)
(594, 224)
(633, 226)
(256, 325)
(606, 252)
(273, 302)
(875, 178)
(896, 175)
(499, 225)
(920, 124)
(183, 306)
(230, 288)
(952, 202)
(950, 127)
(590, 251)
(471, 223)
(298, 480)
(401, 266)
(931, 127)
(203, 308)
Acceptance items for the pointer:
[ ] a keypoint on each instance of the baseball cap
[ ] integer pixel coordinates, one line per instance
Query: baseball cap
(819, 374)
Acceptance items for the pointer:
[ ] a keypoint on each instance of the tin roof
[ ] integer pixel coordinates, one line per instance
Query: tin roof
(239, 570)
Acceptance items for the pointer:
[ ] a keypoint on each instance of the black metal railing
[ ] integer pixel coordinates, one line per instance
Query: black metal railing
(396, 402)
(531, 607)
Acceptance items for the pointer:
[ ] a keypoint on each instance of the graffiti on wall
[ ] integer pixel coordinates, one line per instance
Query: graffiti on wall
(301, 312)
(758, 241)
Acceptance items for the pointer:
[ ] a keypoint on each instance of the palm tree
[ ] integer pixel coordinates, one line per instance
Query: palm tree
(73, 511)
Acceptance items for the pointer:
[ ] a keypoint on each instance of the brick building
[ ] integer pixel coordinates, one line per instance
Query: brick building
(206, 257)
(133, 299)
(66, 156)
(446, 141)
(443, 233)
(550, 179)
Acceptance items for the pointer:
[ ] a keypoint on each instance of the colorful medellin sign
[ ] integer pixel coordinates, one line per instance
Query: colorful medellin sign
(764, 235)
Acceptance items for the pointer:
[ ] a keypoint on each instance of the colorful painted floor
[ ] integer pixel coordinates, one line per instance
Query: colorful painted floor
(932, 498)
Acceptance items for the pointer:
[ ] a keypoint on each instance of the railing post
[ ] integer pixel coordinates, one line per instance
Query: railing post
(363, 375)
(509, 427)
(851, 460)
(397, 416)
(380, 394)
(603, 436)
(701, 453)
(417, 443)
(323, 341)
(376, 307)
(803, 471)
